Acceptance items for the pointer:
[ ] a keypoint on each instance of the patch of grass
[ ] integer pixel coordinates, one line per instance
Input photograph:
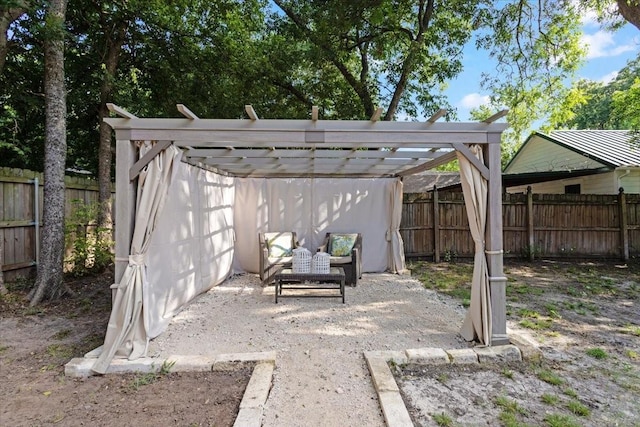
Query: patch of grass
(33, 311)
(597, 353)
(550, 399)
(570, 392)
(581, 308)
(442, 419)
(549, 377)
(578, 408)
(452, 279)
(3, 348)
(60, 351)
(60, 335)
(574, 292)
(560, 420)
(442, 378)
(631, 330)
(142, 379)
(509, 405)
(507, 373)
(509, 419)
(537, 325)
(525, 312)
(631, 354)
(553, 311)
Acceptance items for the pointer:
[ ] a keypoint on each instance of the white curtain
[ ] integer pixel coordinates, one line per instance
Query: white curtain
(396, 248)
(126, 335)
(313, 207)
(477, 324)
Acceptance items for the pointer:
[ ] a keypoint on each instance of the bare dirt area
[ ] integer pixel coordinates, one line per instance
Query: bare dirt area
(585, 316)
(35, 343)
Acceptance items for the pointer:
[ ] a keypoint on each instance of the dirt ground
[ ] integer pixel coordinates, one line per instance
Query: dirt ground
(584, 315)
(36, 343)
(586, 318)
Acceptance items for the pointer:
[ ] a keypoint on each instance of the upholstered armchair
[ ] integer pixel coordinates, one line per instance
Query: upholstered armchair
(345, 250)
(276, 251)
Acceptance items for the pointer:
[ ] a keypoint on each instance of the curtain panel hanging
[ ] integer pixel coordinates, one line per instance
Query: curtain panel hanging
(477, 323)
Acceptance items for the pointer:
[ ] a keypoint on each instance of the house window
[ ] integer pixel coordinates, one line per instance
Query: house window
(572, 189)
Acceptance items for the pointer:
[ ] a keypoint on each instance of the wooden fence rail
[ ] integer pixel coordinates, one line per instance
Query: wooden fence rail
(19, 224)
(434, 225)
(534, 225)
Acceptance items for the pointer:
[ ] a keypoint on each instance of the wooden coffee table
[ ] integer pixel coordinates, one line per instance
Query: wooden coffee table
(287, 279)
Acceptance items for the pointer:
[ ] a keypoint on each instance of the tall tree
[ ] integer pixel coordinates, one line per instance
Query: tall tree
(630, 11)
(49, 280)
(10, 10)
(596, 105)
(397, 53)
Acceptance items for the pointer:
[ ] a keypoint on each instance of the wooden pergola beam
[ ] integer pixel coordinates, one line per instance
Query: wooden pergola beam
(186, 112)
(434, 118)
(251, 112)
(120, 111)
(376, 115)
(496, 116)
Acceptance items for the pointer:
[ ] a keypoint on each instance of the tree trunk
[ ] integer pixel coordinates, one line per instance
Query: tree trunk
(630, 10)
(49, 280)
(105, 219)
(7, 16)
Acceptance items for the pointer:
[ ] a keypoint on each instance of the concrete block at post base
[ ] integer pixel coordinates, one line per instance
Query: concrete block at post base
(500, 353)
(397, 357)
(427, 356)
(462, 356)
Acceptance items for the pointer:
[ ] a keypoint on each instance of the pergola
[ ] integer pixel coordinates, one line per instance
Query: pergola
(314, 148)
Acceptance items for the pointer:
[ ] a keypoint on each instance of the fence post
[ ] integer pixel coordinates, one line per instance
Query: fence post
(624, 224)
(436, 226)
(530, 237)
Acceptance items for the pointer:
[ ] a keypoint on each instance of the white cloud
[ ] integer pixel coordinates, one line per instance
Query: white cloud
(608, 78)
(601, 44)
(473, 100)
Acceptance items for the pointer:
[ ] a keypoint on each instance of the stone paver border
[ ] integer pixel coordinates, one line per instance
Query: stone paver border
(255, 395)
(393, 407)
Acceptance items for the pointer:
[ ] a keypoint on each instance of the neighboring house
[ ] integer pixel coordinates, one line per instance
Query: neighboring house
(576, 161)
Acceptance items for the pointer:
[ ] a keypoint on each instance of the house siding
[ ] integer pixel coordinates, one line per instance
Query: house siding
(630, 182)
(540, 155)
(604, 183)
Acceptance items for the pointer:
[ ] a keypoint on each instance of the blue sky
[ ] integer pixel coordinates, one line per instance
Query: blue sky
(607, 53)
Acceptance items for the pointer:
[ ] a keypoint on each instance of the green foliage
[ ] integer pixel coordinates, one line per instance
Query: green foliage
(550, 399)
(578, 408)
(143, 379)
(90, 246)
(560, 420)
(442, 419)
(549, 377)
(595, 105)
(597, 353)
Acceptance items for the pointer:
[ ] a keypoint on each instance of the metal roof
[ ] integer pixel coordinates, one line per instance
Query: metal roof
(310, 148)
(610, 147)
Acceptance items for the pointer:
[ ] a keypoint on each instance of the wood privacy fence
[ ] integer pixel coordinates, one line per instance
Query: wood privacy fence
(434, 225)
(21, 213)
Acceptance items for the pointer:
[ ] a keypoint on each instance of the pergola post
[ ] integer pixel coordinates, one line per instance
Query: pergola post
(493, 242)
(125, 204)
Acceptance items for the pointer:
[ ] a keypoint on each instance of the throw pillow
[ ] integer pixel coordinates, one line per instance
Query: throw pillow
(280, 246)
(342, 244)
